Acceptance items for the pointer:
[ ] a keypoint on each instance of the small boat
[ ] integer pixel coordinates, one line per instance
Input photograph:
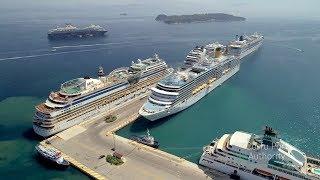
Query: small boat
(146, 140)
(52, 156)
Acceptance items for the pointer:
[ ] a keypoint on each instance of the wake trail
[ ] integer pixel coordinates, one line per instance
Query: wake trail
(49, 54)
(289, 47)
(89, 45)
(67, 46)
(30, 51)
(67, 52)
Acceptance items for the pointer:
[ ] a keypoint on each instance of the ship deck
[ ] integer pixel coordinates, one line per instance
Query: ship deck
(152, 79)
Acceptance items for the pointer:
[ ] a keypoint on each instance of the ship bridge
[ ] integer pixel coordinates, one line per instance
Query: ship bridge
(174, 81)
(159, 91)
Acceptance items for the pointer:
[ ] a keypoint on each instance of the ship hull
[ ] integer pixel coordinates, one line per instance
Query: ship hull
(65, 124)
(245, 174)
(97, 106)
(221, 167)
(43, 159)
(76, 34)
(249, 51)
(190, 101)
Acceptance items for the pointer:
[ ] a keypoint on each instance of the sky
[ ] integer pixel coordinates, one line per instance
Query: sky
(299, 9)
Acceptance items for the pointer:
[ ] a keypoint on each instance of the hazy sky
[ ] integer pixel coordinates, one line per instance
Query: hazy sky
(301, 9)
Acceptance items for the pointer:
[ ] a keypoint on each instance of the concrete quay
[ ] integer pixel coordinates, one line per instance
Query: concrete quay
(83, 144)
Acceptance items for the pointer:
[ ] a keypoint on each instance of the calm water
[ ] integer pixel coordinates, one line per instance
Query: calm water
(276, 86)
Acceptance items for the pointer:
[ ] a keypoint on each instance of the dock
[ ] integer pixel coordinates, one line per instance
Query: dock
(83, 144)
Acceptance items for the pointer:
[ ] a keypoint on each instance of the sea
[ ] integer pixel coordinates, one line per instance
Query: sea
(277, 86)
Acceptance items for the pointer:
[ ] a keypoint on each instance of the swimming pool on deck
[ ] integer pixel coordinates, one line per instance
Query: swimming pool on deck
(316, 171)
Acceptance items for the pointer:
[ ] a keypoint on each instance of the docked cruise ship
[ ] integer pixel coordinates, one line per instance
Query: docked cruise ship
(83, 98)
(245, 45)
(71, 31)
(205, 68)
(244, 155)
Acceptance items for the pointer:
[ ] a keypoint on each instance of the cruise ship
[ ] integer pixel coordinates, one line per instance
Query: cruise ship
(244, 155)
(83, 98)
(245, 45)
(71, 31)
(205, 68)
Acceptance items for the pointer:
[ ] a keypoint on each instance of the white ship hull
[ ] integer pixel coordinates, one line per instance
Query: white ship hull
(246, 175)
(65, 124)
(190, 101)
(228, 169)
(249, 51)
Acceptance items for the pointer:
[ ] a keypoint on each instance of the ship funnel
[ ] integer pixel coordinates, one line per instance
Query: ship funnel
(241, 38)
(217, 52)
(100, 72)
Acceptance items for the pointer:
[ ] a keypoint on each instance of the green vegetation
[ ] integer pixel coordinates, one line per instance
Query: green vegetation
(114, 160)
(110, 118)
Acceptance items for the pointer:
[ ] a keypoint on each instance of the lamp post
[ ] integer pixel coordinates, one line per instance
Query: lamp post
(114, 142)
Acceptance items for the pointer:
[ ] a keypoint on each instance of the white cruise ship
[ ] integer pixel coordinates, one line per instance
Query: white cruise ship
(83, 98)
(244, 155)
(205, 69)
(245, 45)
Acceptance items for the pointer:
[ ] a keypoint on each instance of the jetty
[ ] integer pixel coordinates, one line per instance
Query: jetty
(83, 146)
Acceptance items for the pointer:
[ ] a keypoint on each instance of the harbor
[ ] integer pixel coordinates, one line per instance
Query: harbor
(83, 144)
(275, 85)
(86, 113)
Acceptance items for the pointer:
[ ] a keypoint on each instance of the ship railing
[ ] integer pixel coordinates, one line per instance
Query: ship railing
(42, 108)
(313, 160)
(119, 70)
(56, 96)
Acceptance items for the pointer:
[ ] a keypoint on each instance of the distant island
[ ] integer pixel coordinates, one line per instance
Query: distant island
(217, 17)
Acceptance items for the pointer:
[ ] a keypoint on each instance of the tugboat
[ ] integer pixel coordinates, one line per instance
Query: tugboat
(146, 140)
(52, 156)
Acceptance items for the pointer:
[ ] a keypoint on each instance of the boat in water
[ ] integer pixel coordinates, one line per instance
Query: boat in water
(248, 156)
(52, 156)
(71, 31)
(245, 45)
(83, 98)
(204, 69)
(146, 140)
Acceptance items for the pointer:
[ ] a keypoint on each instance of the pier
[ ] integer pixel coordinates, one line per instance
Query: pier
(83, 144)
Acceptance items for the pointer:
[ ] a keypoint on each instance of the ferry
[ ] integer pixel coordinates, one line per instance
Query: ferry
(249, 156)
(51, 155)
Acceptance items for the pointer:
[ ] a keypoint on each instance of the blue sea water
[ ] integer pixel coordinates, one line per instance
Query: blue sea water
(276, 86)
